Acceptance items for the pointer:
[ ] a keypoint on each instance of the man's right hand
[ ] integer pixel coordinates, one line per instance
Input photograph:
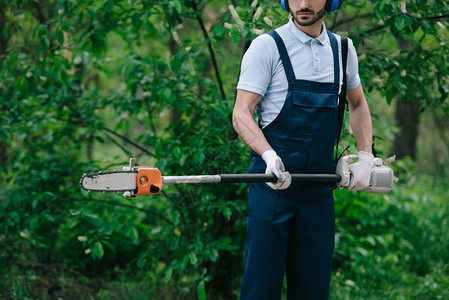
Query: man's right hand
(276, 167)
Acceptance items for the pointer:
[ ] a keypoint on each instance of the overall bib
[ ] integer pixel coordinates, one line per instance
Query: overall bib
(293, 229)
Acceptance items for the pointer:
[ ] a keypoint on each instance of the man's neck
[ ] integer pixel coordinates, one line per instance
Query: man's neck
(313, 30)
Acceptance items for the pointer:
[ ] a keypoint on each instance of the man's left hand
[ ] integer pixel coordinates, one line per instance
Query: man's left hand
(361, 171)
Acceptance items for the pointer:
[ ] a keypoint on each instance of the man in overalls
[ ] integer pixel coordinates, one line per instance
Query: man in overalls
(292, 78)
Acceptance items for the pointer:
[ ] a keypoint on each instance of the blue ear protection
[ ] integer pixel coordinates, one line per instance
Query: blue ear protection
(331, 5)
(284, 5)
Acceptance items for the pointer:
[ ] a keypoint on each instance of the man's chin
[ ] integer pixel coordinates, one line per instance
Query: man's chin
(305, 22)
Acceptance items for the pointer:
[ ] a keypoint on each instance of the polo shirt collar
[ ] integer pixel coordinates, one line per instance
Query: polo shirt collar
(304, 38)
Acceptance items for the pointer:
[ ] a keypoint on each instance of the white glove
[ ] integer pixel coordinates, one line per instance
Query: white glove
(276, 167)
(361, 171)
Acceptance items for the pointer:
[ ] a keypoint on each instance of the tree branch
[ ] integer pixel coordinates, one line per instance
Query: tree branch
(374, 29)
(433, 18)
(430, 18)
(336, 24)
(128, 153)
(211, 49)
(128, 141)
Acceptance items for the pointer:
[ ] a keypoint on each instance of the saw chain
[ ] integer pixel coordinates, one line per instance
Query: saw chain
(132, 181)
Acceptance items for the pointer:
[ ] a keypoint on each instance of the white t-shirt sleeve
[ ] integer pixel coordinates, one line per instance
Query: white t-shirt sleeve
(257, 65)
(352, 67)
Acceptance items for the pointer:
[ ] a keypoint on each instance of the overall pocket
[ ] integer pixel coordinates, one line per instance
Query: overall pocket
(318, 111)
(262, 201)
(262, 198)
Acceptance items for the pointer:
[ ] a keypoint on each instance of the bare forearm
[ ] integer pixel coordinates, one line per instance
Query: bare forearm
(360, 120)
(251, 134)
(243, 121)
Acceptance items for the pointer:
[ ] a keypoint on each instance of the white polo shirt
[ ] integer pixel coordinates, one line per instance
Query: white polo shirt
(262, 71)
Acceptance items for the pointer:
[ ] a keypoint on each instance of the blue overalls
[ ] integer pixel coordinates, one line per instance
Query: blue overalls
(293, 229)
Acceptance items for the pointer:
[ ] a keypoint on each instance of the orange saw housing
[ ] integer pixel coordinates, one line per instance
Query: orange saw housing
(148, 181)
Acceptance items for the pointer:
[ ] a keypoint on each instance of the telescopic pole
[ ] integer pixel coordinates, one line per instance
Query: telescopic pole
(249, 178)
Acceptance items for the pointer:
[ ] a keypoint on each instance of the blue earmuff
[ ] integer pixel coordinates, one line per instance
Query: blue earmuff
(284, 4)
(331, 5)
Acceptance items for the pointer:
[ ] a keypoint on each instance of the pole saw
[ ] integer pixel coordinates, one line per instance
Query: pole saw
(137, 180)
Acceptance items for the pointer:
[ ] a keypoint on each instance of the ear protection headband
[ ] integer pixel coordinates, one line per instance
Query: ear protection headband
(331, 5)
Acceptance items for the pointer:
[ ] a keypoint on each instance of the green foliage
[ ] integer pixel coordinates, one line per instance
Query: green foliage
(395, 245)
(85, 85)
(405, 49)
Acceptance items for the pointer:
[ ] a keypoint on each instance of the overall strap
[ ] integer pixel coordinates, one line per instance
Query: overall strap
(284, 55)
(334, 46)
(342, 99)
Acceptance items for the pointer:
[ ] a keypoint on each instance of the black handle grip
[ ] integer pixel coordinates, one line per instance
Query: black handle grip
(248, 178)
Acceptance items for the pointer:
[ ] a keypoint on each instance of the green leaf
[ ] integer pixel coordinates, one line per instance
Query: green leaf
(219, 30)
(168, 275)
(72, 223)
(133, 234)
(178, 6)
(158, 148)
(34, 222)
(109, 6)
(201, 290)
(399, 23)
(97, 251)
(168, 94)
(225, 244)
(427, 26)
(235, 35)
(91, 13)
(382, 5)
(183, 159)
(177, 152)
(136, 20)
(44, 43)
(34, 203)
(389, 95)
(60, 37)
(175, 65)
(15, 217)
(141, 262)
(213, 255)
(193, 258)
(185, 262)
(227, 212)
(109, 245)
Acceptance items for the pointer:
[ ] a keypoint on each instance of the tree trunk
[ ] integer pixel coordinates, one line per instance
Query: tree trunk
(407, 119)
